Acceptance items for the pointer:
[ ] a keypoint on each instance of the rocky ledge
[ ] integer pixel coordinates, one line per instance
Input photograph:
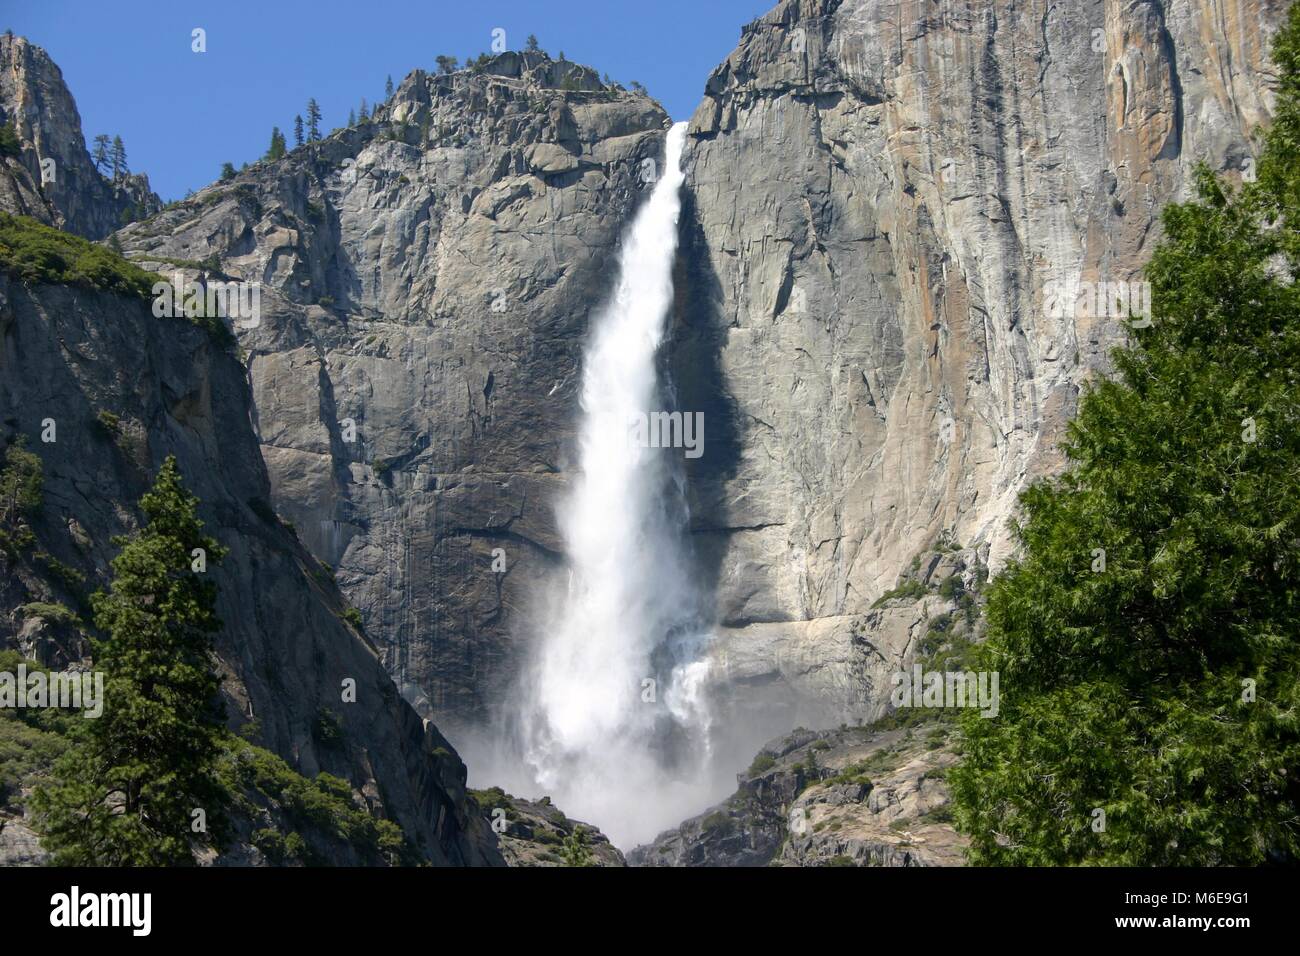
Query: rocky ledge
(856, 796)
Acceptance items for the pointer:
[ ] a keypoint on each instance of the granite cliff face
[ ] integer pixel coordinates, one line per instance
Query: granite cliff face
(882, 197)
(427, 278)
(69, 192)
(116, 391)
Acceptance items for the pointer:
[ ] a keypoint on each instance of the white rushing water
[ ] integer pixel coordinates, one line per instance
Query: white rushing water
(613, 749)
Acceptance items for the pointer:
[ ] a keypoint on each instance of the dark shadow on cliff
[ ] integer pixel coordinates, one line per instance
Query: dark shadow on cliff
(693, 367)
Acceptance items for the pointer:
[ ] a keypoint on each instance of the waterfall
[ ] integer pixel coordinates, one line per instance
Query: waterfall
(613, 721)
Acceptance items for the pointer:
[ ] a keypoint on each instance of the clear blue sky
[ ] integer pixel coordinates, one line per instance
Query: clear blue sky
(182, 114)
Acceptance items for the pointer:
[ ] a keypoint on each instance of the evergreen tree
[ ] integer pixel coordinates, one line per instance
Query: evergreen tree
(99, 153)
(388, 89)
(125, 793)
(1146, 638)
(364, 115)
(313, 120)
(446, 64)
(21, 482)
(575, 850)
(352, 118)
(531, 44)
(10, 144)
(227, 171)
(277, 147)
(297, 131)
(117, 158)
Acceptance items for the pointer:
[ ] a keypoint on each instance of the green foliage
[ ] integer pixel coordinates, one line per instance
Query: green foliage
(124, 794)
(353, 617)
(37, 254)
(328, 729)
(31, 739)
(858, 774)
(575, 851)
(322, 808)
(69, 577)
(947, 541)
(10, 144)
(313, 120)
(271, 843)
(22, 479)
(1126, 689)
(491, 799)
(110, 425)
(53, 613)
(763, 762)
(911, 589)
(277, 148)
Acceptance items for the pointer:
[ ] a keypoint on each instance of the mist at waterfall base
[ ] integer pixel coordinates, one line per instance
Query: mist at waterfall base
(610, 718)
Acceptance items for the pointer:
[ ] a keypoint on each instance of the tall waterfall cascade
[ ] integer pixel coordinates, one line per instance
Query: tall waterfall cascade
(614, 724)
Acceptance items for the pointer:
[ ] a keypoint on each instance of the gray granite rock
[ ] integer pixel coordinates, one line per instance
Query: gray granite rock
(70, 193)
(879, 194)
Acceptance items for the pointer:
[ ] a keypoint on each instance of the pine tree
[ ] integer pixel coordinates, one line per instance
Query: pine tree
(297, 131)
(531, 45)
(10, 144)
(277, 147)
(21, 481)
(446, 64)
(125, 793)
(364, 115)
(388, 89)
(352, 118)
(117, 158)
(227, 172)
(313, 120)
(1146, 638)
(575, 850)
(99, 153)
